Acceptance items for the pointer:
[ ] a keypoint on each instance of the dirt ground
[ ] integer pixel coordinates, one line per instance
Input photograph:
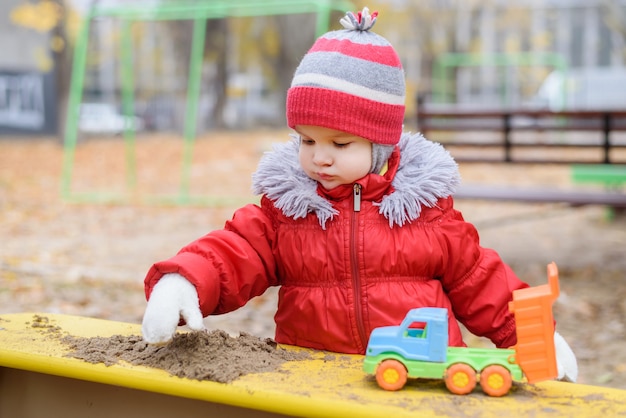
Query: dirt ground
(89, 258)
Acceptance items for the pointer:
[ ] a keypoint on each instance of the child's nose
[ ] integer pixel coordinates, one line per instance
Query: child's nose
(322, 157)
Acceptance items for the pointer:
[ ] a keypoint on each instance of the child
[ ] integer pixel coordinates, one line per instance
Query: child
(356, 221)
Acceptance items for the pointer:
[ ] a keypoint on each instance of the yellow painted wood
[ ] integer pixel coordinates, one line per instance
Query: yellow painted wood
(327, 385)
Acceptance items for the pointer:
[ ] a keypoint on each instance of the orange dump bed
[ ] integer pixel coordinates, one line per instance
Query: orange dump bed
(532, 308)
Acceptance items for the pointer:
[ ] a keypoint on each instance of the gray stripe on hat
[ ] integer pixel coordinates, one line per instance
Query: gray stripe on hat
(338, 84)
(353, 70)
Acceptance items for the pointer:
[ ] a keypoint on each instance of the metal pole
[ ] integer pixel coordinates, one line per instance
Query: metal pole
(606, 128)
(127, 105)
(73, 107)
(507, 137)
(191, 114)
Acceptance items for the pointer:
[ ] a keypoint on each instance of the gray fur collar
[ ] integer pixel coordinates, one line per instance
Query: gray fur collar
(426, 173)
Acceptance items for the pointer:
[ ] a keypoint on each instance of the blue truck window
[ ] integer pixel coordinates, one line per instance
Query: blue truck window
(416, 330)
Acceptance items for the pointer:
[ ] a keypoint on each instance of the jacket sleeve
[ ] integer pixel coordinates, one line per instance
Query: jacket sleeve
(228, 267)
(478, 283)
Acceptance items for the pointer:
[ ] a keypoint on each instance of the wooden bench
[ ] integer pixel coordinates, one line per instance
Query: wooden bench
(507, 121)
(605, 124)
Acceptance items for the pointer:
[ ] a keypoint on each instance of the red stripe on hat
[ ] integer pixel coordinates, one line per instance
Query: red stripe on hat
(375, 53)
(377, 122)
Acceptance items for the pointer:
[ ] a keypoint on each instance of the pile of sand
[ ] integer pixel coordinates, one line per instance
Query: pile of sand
(214, 356)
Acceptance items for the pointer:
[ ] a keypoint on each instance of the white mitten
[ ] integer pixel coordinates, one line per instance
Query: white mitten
(173, 297)
(566, 365)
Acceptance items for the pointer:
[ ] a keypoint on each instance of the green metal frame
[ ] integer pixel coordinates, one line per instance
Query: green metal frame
(199, 12)
(612, 176)
(445, 62)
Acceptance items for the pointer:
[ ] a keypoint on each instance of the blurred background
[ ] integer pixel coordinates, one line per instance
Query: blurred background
(130, 128)
(478, 53)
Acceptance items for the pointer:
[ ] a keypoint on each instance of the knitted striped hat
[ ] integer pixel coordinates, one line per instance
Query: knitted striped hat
(351, 80)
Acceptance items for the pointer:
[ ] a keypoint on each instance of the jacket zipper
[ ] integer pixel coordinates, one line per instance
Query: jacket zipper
(356, 278)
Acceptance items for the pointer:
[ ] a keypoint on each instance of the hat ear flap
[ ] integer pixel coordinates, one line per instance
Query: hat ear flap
(380, 155)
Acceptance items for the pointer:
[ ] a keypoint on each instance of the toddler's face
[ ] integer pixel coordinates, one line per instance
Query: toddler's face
(333, 157)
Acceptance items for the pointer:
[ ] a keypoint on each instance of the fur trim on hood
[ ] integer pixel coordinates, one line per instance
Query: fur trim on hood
(426, 173)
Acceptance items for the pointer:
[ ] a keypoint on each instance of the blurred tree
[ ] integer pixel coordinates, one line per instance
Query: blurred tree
(216, 48)
(420, 31)
(296, 34)
(614, 17)
(274, 45)
(62, 58)
(52, 17)
(270, 45)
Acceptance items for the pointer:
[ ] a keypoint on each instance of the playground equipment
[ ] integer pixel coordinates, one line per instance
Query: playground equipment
(446, 64)
(197, 11)
(418, 348)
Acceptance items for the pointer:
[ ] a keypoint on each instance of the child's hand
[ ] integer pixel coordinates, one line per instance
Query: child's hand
(565, 360)
(173, 297)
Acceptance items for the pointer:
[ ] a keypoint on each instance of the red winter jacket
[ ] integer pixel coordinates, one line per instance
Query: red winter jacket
(353, 258)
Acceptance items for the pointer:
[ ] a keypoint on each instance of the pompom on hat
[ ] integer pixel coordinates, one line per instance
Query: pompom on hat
(350, 80)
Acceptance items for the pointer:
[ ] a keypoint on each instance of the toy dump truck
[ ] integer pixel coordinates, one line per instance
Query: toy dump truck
(418, 348)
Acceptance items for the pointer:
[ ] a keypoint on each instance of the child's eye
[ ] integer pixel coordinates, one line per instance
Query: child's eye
(341, 144)
(306, 141)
